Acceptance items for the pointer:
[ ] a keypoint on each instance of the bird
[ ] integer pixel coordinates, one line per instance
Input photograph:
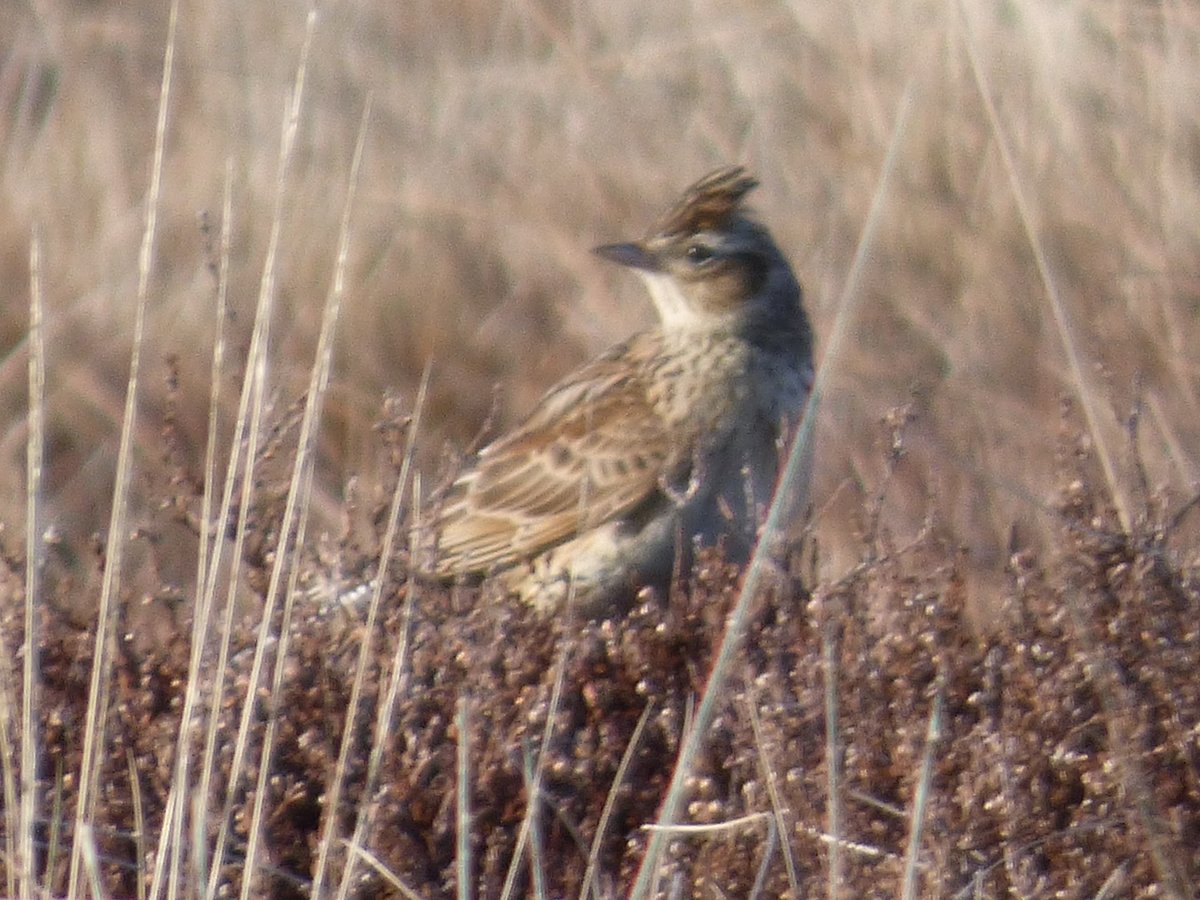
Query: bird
(668, 442)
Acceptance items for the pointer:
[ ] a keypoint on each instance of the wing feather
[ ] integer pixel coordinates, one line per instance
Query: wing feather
(592, 450)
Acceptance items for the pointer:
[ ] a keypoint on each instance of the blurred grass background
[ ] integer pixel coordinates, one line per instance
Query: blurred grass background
(507, 138)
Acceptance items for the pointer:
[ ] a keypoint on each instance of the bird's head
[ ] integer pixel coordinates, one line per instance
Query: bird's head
(708, 263)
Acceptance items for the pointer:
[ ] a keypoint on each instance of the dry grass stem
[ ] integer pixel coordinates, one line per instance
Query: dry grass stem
(94, 729)
(29, 804)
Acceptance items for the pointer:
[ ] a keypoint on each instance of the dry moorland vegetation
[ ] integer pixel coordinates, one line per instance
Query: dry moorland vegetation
(968, 666)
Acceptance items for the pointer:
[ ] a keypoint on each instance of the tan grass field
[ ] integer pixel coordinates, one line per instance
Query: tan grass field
(993, 210)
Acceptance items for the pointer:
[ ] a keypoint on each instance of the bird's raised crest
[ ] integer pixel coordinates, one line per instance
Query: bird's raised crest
(709, 203)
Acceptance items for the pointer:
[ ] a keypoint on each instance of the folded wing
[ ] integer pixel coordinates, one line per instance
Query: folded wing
(593, 450)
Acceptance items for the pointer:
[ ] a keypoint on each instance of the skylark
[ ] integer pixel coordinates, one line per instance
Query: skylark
(669, 441)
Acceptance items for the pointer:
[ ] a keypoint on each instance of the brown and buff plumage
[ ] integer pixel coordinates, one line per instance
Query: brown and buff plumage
(667, 440)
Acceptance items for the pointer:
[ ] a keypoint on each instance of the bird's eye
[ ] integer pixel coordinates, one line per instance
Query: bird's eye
(698, 253)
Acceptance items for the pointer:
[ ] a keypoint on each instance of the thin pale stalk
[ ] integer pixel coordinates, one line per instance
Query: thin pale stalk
(510, 879)
(34, 546)
(788, 498)
(711, 827)
(1066, 331)
(764, 867)
(533, 792)
(777, 807)
(396, 680)
(610, 802)
(90, 860)
(170, 843)
(534, 787)
(383, 871)
(833, 760)
(94, 730)
(1167, 855)
(912, 856)
(1115, 885)
(299, 493)
(54, 844)
(462, 855)
(254, 392)
(298, 501)
(8, 780)
(139, 825)
(334, 792)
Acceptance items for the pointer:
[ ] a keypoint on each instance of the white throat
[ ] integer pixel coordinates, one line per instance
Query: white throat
(673, 307)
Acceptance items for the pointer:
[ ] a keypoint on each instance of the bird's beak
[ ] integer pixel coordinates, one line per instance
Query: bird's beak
(632, 255)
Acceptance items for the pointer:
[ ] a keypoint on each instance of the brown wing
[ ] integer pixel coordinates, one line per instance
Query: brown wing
(592, 450)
